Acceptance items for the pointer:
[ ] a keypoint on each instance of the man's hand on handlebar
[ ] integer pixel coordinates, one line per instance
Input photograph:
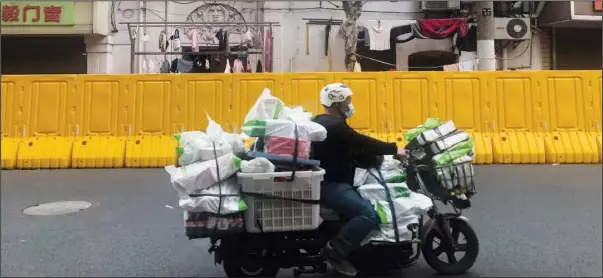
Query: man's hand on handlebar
(401, 152)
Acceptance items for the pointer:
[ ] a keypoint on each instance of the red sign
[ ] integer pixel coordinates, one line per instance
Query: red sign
(10, 13)
(598, 5)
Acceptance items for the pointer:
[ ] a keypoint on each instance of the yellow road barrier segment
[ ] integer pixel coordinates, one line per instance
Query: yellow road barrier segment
(112, 121)
(99, 152)
(10, 147)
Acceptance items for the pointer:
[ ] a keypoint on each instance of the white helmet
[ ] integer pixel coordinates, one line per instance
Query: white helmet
(334, 93)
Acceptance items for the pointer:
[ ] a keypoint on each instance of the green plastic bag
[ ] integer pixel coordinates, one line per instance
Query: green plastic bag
(429, 124)
(459, 150)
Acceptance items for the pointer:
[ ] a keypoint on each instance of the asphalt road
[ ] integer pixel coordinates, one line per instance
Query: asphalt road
(539, 220)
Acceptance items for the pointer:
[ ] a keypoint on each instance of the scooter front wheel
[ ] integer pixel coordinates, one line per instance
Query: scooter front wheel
(436, 247)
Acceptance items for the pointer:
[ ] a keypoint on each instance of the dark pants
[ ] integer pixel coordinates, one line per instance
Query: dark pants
(358, 214)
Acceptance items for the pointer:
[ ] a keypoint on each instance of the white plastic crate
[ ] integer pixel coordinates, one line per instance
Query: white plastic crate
(276, 215)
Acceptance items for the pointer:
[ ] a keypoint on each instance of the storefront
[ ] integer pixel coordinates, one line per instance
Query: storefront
(575, 34)
(48, 37)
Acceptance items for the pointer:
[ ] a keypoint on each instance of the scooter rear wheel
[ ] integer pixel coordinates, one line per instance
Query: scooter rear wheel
(452, 265)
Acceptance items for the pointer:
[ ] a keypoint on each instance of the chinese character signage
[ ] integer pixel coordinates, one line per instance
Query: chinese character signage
(37, 13)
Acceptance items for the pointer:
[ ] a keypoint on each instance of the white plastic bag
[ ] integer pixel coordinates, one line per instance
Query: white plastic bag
(257, 165)
(360, 177)
(388, 175)
(408, 206)
(266, 107)
(201, 175)
(230, 204)
(198, 146)
(408, 228)
(406, 202)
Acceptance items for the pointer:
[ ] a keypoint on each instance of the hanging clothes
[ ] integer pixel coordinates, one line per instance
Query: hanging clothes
(237, 66)
(248, 38)
(258, 68)
(440, 28)
(402, 34)
(165, 67)
(227, 69)
(248, 65)
(174, 66)
(175, 40)
(468, 43)
(378, 31)
(267, 47)
(221, 35)
(184, 66)
(357, 67)
(192, 35)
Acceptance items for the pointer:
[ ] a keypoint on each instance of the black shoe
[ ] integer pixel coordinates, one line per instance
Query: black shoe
(340, 265)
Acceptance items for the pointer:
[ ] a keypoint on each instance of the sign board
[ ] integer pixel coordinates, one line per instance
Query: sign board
(598, 6)
(37, 13)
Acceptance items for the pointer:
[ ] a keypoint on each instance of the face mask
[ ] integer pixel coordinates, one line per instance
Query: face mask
(350, 112)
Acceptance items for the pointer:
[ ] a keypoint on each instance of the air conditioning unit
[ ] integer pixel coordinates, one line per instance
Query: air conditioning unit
(440, 5)
(512, 28)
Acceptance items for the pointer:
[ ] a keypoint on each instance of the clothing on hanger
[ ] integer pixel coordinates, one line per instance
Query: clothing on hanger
(175, 40)
(441, 28)
(192, 35)
(184, 66)
(267, 47)
(248, 65)
(227, 69)
(257, 38)
(401, 34)
(379, 31)
(258, 67)
(174, 66)
(468, 43)
(248, 38)
(221, 35)
(165, 67)
(237, 66)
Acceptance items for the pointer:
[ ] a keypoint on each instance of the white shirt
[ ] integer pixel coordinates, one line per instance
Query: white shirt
(379, 34)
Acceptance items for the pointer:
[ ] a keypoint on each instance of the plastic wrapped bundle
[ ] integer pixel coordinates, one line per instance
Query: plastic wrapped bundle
(201, 175)
(204, 224)
(408, 207)
(228, 193)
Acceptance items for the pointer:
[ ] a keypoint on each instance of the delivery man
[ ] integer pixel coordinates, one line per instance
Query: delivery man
(337, 155)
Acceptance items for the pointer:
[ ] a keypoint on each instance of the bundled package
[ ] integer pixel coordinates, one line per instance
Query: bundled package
(390, 169)
(196, 146)
(449, 151)
(408, 207)
(285, 129)
(227, 193)
(201, 175)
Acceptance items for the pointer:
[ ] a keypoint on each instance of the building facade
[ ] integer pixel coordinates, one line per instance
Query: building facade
(92, 37)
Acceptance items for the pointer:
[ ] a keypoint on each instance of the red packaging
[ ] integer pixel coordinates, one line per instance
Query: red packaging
(285, 146)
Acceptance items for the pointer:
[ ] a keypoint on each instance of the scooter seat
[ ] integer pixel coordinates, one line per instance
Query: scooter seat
(328, 214)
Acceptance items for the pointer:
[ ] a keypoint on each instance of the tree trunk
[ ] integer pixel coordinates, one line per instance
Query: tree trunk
(352, 10)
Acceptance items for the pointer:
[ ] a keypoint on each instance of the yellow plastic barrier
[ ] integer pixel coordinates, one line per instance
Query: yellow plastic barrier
(10, 147)
(569, 116)
(100, 121)
(516, 137)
